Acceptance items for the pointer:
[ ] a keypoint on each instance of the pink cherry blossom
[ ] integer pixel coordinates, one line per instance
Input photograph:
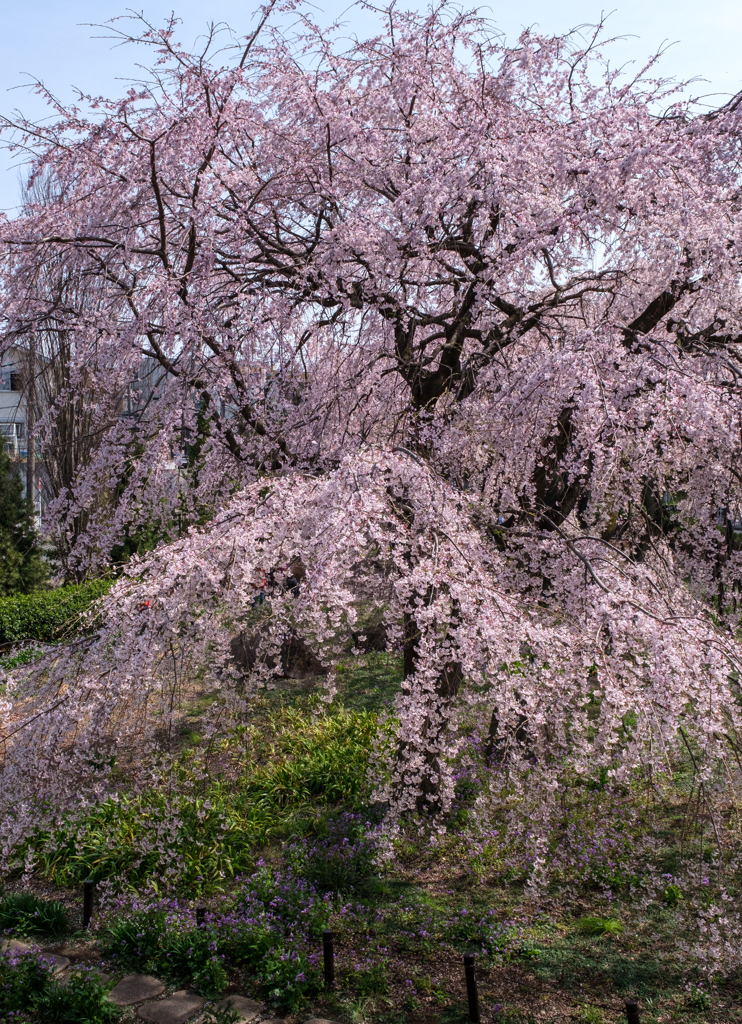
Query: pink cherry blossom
(455, 324)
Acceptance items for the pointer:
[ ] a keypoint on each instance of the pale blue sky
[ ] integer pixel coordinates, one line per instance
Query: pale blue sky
(48, 39)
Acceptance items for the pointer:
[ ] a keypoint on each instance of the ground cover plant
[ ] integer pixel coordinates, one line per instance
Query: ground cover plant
(200, 830)
(28, 992)
(24, 914)
(268, 930)
(412, 356)
(610, 924)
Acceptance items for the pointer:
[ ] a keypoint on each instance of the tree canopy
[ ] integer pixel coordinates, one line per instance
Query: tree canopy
(455, 318)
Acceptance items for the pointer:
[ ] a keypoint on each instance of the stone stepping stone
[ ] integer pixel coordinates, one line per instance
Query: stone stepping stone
(16, 946)
(247, 1008)
(315, 1020)
(100, 975)
(135, 988)
(175, 1010)
(61, 963)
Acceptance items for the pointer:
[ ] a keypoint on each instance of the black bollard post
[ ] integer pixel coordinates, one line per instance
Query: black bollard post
(632, 1011)
(200, 917)
(329, 952)
(471, 988)
(88, 887)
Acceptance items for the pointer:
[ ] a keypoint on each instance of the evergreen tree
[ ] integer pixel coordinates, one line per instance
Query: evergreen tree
(22, 568)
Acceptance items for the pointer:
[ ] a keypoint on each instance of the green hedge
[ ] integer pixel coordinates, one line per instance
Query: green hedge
(48, 615)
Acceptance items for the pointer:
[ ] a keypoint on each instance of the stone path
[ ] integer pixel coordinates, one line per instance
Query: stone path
(15, 946)
(142, 991)
(101, 975)
(135, 988)
(175, 1010)
(247, 1008)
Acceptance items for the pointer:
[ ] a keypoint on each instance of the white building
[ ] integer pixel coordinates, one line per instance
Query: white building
(13, 433)
(12, 406)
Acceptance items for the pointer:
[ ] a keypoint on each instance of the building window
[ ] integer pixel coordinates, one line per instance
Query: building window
(13, 437)
(10, 379)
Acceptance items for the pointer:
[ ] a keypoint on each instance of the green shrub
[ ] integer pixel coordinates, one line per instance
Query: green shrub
(22, 567)
(26, 913)
(50, 615)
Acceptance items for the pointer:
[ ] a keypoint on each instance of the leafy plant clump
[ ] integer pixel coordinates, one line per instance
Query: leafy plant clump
(211, 839)
(23, 976)
(340, 860)
(268, 932)
(599, 926)
(80, 1000)
(28, 915)
(222, 1015)
(216, 826)
(28, 991)
(316, 757)
(371, 980)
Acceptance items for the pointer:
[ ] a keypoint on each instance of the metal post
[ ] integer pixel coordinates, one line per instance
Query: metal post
(329, 951)
(200, 917)
(88, 888)
(632, 1011)
(471, 988)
